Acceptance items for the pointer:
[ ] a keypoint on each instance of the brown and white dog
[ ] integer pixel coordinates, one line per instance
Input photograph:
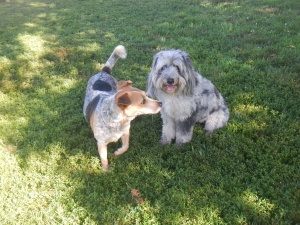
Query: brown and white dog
(110, 106)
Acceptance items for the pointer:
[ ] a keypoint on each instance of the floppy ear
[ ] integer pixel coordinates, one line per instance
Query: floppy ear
(150, 85)
(123, 100)
(190, 74)
(124, 83)
(155, 59)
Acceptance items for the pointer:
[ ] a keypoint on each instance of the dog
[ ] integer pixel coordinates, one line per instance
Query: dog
(187, 97)
(110, 106)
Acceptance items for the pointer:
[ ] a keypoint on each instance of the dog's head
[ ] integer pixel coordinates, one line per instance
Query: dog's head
(172, 72)
(135, 102)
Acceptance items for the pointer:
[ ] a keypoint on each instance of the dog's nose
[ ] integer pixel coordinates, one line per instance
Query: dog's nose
(170, 80)
(160, 104)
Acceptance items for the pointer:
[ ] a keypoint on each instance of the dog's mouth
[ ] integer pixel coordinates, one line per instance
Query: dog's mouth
(170, 87)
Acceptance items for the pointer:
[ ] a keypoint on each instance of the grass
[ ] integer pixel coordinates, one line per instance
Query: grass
(247, 173)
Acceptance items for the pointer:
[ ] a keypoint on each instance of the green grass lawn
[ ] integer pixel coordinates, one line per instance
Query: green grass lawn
(247, 173)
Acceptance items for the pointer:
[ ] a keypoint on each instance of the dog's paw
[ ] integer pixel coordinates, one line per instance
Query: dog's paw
(208, 135)
(117, 153)
(105, 165)
(120, 151)
(178, 144)
(164, 142)
(105, 168)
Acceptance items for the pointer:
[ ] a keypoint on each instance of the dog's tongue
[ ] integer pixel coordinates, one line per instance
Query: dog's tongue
(170, 87)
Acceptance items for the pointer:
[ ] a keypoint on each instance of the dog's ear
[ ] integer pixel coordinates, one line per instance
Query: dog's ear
(123, 100)
(150, 84)
(190, 74)
(155, 58)
(124, 83)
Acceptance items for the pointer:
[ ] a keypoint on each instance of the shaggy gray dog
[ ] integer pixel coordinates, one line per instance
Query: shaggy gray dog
(187, 97)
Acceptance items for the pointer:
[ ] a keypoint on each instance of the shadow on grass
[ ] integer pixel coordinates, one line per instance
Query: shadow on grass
(49, 57)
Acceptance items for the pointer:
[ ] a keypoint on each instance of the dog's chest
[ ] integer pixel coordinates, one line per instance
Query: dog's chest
(108, 129)
(179, 108)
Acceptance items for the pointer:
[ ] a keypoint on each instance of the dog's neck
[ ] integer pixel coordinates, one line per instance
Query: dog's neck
(103, 118)
(114, 117)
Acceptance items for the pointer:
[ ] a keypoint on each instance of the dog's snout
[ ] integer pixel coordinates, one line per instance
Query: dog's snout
(160, 104)
(170, 80)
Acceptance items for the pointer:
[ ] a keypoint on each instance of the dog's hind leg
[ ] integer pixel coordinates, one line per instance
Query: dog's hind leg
(125, 144)
(102, 149)
(216, 120)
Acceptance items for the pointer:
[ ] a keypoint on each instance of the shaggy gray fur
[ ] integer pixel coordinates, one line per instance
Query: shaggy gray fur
(187, 97)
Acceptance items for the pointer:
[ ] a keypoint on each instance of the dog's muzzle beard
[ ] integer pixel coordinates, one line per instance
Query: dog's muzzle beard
(171, 85)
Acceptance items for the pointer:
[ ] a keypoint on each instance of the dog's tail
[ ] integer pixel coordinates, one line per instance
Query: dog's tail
(119, 52)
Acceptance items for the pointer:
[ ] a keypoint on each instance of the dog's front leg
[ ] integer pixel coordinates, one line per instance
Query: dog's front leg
(125, 144)
(102, 149)
(168, 130)
(184, 132)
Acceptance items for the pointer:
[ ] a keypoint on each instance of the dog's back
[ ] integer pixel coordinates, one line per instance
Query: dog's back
(99, 87)
(102, 85)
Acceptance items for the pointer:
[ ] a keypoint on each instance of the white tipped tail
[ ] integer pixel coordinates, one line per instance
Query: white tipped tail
(119, 52)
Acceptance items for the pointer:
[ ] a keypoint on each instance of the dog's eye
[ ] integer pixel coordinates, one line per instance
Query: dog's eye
(178, 69)
(163, 68)
(143, 102)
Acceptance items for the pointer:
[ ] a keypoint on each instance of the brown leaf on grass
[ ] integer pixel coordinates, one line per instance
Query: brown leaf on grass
(136, 196)
(135, 193)
(62, 52)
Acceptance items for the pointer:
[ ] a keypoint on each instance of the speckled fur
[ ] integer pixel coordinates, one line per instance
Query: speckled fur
(187, 97)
